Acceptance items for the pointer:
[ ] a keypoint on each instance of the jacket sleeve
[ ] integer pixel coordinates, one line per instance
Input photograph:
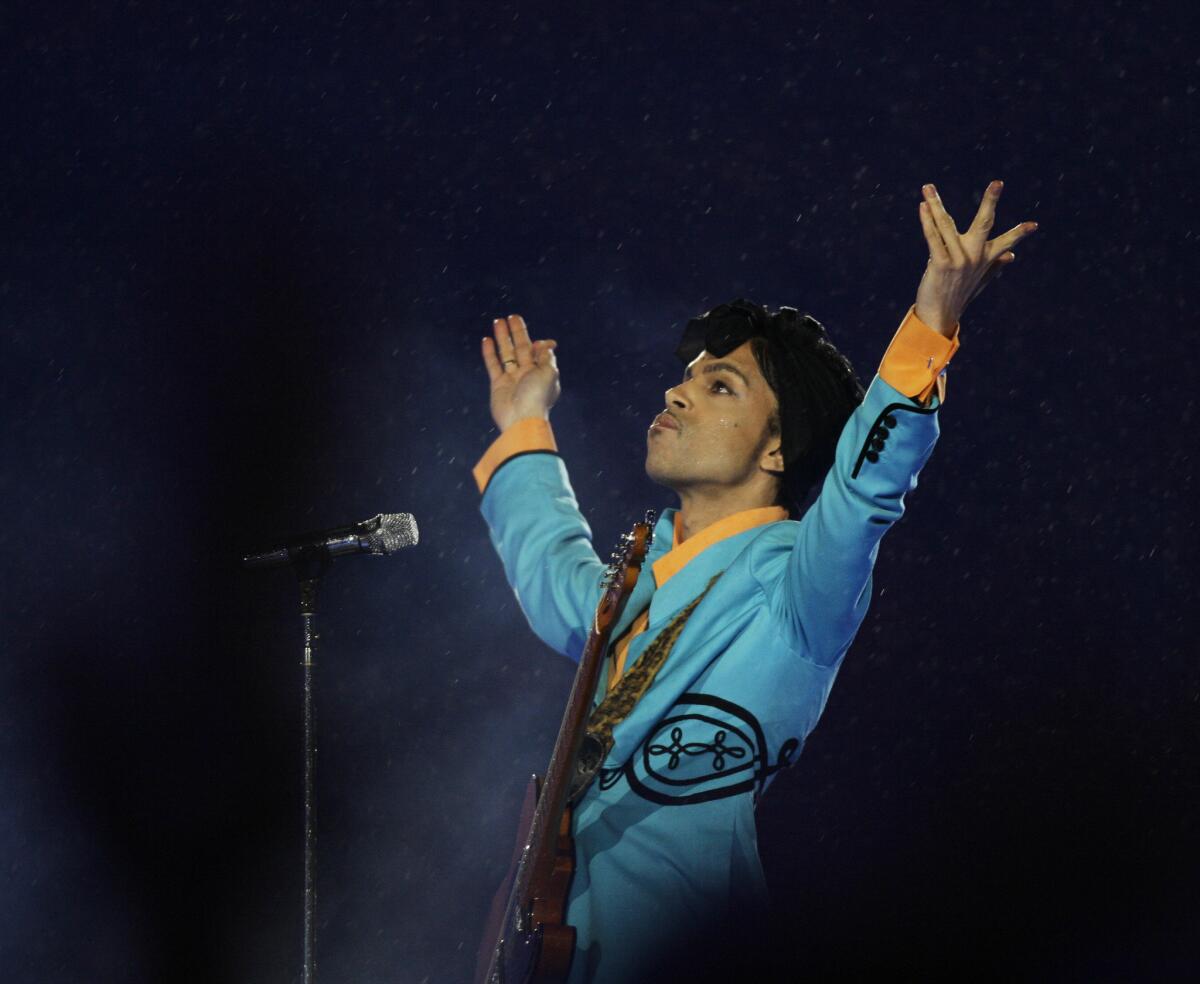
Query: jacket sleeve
(820, 589)
(544, 543)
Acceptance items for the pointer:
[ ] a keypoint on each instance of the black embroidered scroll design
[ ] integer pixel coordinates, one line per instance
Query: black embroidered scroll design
(702, 725)
(716, 747)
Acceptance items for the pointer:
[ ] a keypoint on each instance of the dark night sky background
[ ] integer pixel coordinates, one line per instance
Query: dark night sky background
(248, 254)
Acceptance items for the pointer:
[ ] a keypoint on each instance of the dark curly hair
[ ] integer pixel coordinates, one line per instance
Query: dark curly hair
(815, 385)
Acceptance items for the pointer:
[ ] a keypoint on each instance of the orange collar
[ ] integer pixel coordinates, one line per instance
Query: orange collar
(675, 559)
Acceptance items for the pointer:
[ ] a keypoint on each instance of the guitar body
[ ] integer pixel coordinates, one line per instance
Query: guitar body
(527, 939)
(543, 954)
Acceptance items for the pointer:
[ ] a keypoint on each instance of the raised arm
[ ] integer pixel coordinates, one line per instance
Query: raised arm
(533, 520)
(821, 588)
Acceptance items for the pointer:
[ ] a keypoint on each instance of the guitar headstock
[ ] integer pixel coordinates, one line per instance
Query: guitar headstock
(624, 566)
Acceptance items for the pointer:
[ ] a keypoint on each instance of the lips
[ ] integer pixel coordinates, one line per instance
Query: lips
(666, 421)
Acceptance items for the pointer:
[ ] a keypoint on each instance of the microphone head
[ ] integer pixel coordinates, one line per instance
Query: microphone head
(389, 532)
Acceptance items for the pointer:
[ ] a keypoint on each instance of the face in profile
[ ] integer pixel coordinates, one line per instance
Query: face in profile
(714, 432)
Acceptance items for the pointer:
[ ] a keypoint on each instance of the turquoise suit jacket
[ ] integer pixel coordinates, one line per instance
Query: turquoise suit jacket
(665, 836)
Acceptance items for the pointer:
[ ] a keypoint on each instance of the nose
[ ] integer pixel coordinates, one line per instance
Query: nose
(676, 397)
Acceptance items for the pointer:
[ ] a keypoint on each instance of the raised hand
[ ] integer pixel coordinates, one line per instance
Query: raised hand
(523, 374)
(960, 266)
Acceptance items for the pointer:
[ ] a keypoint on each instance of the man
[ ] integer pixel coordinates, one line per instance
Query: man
(735, 631)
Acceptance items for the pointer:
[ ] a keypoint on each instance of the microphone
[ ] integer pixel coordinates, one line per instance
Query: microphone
(382, 534)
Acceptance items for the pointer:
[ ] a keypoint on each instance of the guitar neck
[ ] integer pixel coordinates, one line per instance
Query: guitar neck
(552, 800)
(553, 796)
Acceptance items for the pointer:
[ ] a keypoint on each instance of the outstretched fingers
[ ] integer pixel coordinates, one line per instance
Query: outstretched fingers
(504, 343)
(522, 346)
(1007, 241)
(986, 216)
(491, 361)
(944, 224)
(937, 248)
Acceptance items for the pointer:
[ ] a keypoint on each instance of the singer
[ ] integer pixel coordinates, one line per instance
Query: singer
(767, 409)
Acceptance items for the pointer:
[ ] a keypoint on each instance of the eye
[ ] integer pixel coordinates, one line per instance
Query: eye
(716, 383)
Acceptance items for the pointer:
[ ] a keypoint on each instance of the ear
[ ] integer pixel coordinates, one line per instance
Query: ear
(771, 460)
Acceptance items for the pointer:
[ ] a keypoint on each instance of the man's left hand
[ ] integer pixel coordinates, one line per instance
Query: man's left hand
(960, 266)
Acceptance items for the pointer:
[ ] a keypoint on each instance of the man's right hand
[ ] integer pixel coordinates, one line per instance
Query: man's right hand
(523, 374)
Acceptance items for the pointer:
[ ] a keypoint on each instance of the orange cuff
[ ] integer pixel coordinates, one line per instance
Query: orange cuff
(916, 356)
(529, 434)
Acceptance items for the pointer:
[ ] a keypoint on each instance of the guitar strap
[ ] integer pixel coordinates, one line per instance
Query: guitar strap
(616, 707)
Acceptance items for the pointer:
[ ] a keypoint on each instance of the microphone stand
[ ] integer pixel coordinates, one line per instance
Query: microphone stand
(310, 558)
(310, 563)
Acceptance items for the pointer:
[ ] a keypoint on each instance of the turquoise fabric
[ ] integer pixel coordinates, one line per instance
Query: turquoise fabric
(665, 836)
